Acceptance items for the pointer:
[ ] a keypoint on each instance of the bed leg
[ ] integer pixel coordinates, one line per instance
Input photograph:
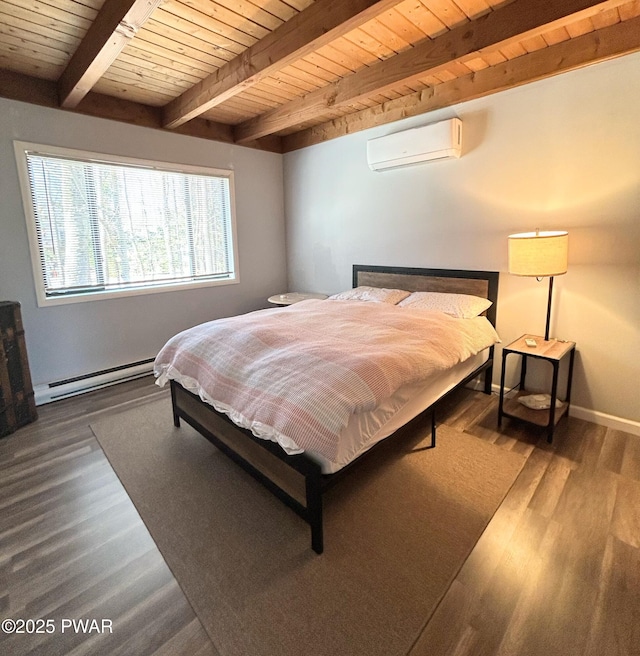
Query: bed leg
(487, 381)
(313, 491)
(176, 417)
(488, 373)
(433, 428)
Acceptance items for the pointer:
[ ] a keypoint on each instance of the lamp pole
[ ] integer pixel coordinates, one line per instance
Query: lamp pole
(546, 330)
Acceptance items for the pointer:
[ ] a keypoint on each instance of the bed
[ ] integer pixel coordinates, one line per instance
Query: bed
(302, 438)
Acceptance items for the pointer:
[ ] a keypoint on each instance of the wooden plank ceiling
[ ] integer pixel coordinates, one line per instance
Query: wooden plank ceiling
(283, 74)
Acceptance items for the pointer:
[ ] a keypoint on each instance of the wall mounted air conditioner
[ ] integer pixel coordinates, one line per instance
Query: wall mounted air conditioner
(441, 140)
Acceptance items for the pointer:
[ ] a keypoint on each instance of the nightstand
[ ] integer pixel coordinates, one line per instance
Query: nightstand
(293, 297)
(553, 351)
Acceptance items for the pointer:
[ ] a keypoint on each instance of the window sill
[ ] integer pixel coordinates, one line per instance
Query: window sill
(49, 301)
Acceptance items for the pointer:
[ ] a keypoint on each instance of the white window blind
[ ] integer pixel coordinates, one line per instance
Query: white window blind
(111, 226)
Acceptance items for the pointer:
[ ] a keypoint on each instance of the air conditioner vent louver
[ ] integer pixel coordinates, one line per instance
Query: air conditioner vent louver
(441, 140)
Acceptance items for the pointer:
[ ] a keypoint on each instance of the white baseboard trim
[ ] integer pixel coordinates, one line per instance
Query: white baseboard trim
(56, 391)
(603, 419)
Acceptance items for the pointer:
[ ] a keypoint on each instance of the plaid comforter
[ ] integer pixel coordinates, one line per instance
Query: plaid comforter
(295, 375)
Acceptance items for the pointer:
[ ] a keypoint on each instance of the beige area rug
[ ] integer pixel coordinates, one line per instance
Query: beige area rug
(397, 530)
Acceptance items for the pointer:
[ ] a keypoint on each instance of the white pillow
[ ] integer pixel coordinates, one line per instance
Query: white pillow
(375, 294)
(462, 306)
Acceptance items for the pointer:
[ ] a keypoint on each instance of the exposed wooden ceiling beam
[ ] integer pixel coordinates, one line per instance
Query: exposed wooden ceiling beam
(115, 25)
(314, 27)
(519, 20)
(18, 86)
(609, 42)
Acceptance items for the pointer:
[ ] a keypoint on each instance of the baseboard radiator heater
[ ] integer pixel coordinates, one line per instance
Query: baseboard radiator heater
(63, 389)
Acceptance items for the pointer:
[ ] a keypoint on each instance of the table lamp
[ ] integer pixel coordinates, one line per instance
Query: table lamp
(540, 255)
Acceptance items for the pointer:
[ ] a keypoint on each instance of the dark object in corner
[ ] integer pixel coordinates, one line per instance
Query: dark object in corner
(17, 404)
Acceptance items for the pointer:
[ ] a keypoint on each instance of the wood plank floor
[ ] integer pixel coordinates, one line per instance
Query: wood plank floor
(556, 572)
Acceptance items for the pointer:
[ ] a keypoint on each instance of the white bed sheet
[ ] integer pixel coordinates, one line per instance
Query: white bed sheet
(366, 429)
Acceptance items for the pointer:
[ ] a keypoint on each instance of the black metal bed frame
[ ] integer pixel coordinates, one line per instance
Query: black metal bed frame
(315, 482)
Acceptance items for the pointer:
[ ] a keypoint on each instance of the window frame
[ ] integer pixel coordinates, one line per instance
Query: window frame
(22, 147)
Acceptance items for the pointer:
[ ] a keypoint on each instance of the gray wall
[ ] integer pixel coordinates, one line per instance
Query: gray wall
(563, 153)
(71, 340)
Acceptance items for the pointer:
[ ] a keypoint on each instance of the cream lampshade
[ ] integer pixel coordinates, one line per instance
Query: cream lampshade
(540, 255)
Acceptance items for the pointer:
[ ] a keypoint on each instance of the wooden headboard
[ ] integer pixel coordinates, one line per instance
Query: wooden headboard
(413, 279)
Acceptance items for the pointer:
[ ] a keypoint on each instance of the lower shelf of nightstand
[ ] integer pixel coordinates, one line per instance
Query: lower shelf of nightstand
(512, 408)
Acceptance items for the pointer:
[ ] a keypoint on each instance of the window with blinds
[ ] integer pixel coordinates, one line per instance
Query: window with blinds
(101, 225)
